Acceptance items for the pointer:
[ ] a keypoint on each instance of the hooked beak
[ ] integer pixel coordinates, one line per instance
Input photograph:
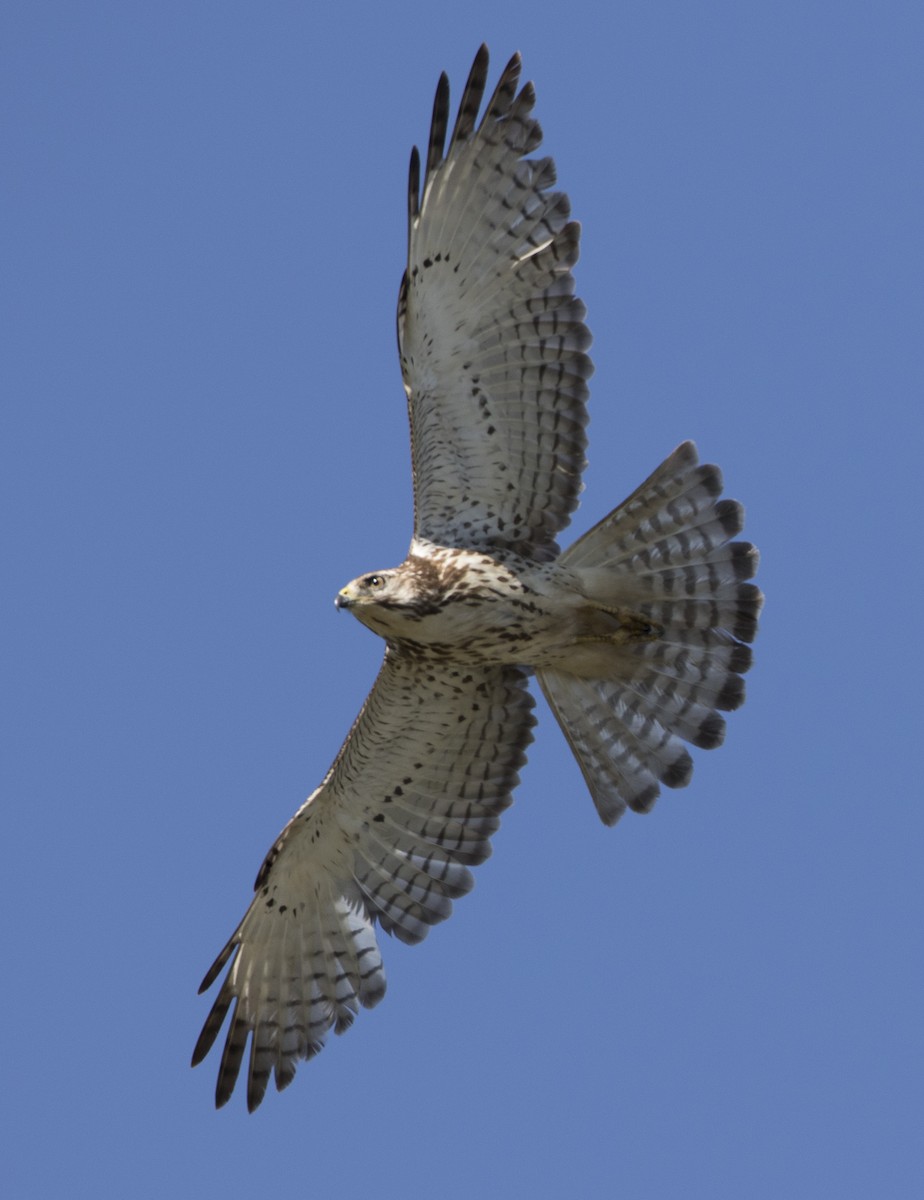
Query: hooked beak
(343, 599)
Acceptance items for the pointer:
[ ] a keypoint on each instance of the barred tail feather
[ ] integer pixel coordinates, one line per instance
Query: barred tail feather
(665, 555)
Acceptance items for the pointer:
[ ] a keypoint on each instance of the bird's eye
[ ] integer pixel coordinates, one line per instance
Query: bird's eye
(374, 581)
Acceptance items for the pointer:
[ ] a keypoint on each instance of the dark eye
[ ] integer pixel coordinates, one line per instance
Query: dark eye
(374, 581)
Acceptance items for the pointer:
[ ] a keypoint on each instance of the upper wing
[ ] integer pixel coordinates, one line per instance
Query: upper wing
(409, 804)
(490, 334)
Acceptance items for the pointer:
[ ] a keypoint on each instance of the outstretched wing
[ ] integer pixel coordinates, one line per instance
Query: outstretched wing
(491, 337)
(408, 806)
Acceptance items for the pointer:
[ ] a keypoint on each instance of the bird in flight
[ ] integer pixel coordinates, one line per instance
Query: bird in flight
(637, 634)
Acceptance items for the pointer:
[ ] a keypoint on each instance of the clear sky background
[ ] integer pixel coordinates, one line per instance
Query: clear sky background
(203, 435)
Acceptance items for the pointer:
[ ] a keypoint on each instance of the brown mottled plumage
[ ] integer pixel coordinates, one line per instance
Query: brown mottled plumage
(637, 634)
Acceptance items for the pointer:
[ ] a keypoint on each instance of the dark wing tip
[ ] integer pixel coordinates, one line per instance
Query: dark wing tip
(212, 1026)
(686, 455)
(257, 1081)
(215, 969)
(438, 125)
(514, 66)
(506, 90)
(498, 106)
(413, 186)
(471, 98)
(231, 1059)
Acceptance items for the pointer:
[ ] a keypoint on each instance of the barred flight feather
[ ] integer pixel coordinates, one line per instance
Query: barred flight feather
(492, 342)
(305, 957)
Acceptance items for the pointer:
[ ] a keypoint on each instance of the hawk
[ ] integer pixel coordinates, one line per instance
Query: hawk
(637, 634)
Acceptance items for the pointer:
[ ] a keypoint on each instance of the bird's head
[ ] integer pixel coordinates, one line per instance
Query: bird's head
(367, 590)
(393, 602)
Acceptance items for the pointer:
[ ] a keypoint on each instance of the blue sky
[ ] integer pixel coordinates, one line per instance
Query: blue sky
(203, 437)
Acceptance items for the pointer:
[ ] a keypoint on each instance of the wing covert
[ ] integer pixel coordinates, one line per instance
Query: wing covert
(491, 336)
(407, 807)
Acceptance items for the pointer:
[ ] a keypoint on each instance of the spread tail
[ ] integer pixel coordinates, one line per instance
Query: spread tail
(665, 574)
